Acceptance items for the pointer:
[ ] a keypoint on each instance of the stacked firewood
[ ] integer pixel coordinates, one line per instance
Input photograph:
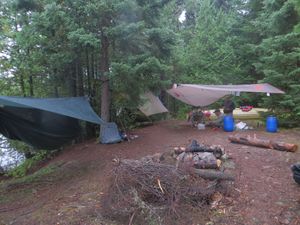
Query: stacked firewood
(200, 156)
(204, 160)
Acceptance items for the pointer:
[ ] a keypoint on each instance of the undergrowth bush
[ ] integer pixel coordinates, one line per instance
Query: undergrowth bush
(38, 175)
(22, 169)
(285, 119)
(182, 112)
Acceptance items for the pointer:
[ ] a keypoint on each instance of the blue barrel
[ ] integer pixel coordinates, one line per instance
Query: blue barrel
(271, 124)
(228, 124)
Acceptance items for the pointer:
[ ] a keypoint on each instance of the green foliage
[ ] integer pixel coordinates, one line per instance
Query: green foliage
(83, 38)
(279, 58)
(20, 146)
(21, 170)
(182, 112)
(54, 48)
(208, 53)
(21, 178)
(269, 52)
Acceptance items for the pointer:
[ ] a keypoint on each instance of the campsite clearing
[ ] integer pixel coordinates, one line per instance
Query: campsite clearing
(69, 188)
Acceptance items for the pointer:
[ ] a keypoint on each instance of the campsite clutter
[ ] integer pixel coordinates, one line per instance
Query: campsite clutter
(195, 117)
(243, 120)
(158, 187)
(31, 119)
(242, 126)
(190, 94)
(246, 108)
(128, 137)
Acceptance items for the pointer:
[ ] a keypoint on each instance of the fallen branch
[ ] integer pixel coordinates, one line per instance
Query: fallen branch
(213, 175)
(253, 141)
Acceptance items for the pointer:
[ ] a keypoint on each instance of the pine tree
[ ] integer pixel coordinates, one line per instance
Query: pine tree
(279, 58)
(207, 53)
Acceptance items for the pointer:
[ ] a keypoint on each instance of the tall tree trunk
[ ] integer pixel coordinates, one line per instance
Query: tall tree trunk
(88, 71)
(93, 75)
(104, 69)
(93, 66)
(31, 86)
(79, 78)
(55, 83)
(56, 94)
(30, 79)
(21, 77)
(22, 84)
(70, 80)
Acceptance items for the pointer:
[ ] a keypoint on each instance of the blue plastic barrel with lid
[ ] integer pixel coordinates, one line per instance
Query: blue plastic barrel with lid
(271, 124)
(228, 124)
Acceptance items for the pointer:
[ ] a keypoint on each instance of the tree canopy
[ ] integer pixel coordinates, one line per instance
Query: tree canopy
(112, 51)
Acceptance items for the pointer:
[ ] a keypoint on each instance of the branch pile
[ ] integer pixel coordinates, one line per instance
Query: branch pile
(155, 193)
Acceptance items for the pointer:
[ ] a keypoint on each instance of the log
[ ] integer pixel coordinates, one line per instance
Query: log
(217, 150)
(254, 141)
(199, 160)
(214, 149)
(213, 175)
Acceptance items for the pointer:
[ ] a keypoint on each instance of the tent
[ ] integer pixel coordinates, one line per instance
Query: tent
(45, 123)
(204, 95)
(152, 105)
(109, 133)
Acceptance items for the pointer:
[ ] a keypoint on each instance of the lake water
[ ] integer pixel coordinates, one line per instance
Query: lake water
(9, 157)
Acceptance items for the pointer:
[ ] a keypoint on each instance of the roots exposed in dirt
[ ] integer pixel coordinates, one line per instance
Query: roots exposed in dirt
(154, 193)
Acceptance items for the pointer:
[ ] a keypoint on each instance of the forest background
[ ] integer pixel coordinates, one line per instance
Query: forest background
(113, 51)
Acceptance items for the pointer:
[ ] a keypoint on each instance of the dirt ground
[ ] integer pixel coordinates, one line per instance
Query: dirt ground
(263, 193)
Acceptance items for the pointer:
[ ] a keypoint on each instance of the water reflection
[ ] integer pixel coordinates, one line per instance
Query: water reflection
(9, 157)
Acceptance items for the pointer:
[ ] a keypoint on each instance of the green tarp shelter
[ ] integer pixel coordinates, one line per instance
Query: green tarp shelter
(44, 123)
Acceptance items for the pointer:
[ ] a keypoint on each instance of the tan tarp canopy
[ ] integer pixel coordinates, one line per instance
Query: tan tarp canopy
(203, 95)
(152, 105)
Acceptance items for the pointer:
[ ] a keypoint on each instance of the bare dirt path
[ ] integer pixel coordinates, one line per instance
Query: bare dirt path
(264, 191)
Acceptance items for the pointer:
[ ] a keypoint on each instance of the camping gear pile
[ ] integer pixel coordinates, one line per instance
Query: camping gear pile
(200, 156)
(246, 108)
(162, 188)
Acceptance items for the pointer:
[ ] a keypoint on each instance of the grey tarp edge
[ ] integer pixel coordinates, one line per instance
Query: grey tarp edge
(204, 95)
(75, 107)
(258, 88)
